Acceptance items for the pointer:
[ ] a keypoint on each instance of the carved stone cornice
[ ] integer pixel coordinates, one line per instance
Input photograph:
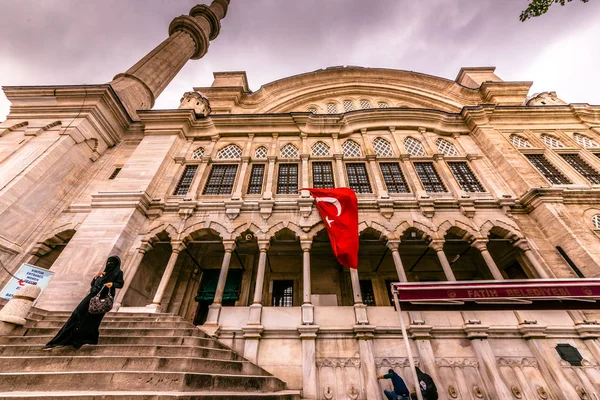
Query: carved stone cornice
(458, 362)
(518, 361)
(338, 362)
(394, 362)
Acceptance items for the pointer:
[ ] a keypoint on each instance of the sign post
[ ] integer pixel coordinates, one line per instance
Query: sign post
(26, 275)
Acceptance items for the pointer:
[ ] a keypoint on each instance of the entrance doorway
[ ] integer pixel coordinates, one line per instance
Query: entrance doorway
(208, 287)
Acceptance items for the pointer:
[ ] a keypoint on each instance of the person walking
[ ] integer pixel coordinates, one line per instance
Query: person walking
(82, 327)
(426, 385)
(400, 390)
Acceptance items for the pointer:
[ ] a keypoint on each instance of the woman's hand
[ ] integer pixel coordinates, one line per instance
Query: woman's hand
(108, 285)
(99, 274)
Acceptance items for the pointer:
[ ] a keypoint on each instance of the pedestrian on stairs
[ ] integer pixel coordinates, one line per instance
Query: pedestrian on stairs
(400, 390)
(82, 327)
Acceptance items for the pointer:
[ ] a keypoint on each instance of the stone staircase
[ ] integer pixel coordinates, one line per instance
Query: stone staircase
(140, 356)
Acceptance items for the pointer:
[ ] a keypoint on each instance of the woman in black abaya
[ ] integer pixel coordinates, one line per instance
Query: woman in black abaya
(82, 327)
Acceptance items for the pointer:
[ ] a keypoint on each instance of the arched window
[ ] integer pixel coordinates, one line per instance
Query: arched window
(364, 104)
(312, 110)
(260, 152)
(382, 148)
(414, 147)
(332, 108)
(585, 141)
(289, 151)
(552, 141)
(320, 149)
(446, 148)
(198, 153)
(348, 105)
(519, 141)
(229, 152)
(351, 149)
(382, 104)
(596, 221)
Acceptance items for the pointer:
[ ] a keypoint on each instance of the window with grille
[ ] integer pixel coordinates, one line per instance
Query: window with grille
(446, 148)
(256, 179)
(351, 149)
(548, 170)
(394, 178)
(582, 167)
(260, 152)
(115, 173)
(414, 147)
(465, 177)
(221, 179)
(429, 177)
(358, 179)
(287, 179)
(382, 104)
(519, 141)
(596, 221)
(332, 108)
(320, 149)
(366, 291)
(348, 105)
(312, 110)
(585, 141)
(229, 152)
(186, 180)
(364, 104)
(283, 293)
(322, 175)
(382, 148)
(551, 141)
(198, 153)
(289, 151)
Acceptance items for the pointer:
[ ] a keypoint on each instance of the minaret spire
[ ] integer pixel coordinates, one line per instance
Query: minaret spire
(189, 37)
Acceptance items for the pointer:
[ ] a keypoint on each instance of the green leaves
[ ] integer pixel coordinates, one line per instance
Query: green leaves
(540, 7)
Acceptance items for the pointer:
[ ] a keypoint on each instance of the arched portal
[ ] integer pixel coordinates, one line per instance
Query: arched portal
(46, 253)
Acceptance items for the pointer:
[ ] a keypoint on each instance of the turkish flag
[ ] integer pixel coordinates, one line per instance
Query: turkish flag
(339, 210)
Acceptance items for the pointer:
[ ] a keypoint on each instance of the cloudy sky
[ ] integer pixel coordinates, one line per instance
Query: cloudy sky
(53, 42)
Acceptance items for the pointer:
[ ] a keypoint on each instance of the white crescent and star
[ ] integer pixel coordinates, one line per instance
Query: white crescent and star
(335, 202)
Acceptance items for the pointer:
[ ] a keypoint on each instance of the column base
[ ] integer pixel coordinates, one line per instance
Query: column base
(255, 314)
(252, 335)
(360, 312)
(308, 334)
(214, 311)
(308, 314)
(154, 308)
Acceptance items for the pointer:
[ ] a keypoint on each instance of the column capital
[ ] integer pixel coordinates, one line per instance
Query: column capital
(480, 244)
(144, 246)
(437, 244)
(229, 245)
(177, 245)
(393, 244)
(306, 245)
(263, 245)
(522, 244)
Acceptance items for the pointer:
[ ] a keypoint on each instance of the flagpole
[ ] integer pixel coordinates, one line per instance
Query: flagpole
(411, 361)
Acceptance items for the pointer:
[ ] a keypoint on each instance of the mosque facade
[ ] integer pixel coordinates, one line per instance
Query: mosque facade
(457, 180)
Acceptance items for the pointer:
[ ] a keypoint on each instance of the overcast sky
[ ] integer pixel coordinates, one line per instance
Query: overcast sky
(53, 42)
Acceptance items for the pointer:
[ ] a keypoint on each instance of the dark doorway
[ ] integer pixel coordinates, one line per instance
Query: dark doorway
(208, 286)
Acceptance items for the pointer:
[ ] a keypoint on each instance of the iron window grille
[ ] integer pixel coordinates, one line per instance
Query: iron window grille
(465, 177)
(348, 106)
(582, 167)
(585, 141)
(256, 179)
(229, 152)
(332, 108)
(320, 149)
(414, 147)
(551, 141)
(366, 290)
(351, 149)
(283, 293)
(260, 152)
(198, 153)
(312, 110)
(322, 175)
(446, 148)
(382, 104)
(429, 177)
(394, 178)
(221, 179)
(358, 179)
(289, 151)
(548, 170)
(287, 179)
(596, 221)
(365, 104)
(115, 173)
(382, 148)
(183, 186)
(519, 141)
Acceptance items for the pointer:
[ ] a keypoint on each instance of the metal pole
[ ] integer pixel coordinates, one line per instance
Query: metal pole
(411, 362)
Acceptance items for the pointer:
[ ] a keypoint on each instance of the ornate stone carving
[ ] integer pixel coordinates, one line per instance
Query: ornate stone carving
(353, 392)
(477, 392)
(544, 99)
(458, 362)
(518, 361)
(541, 391)
(328, 393)
(394, 362)
(195, 101)
(452, 391)
(516, 392)
(338, 362)
(582, 393)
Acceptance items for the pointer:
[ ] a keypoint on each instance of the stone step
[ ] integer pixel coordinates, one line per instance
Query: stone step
(49, 362)
(118, 318)
(125, 324)
(146, 340)
(123, 314)
(125, 332)
(122, 350)
(139, 395)
(137, 380)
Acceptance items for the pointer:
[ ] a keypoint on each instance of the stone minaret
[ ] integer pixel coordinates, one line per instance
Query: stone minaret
(141, 84)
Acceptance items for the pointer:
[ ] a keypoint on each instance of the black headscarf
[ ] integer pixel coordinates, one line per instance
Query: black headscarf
(112, 273)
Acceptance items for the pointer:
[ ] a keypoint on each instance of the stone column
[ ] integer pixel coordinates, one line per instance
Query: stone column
(256, 308)
(481, 245)
(268, 194)
(339, 163)
(130, 271)
(237, 193)
(307, 307)
(164, 281)
(360, 310)
(523, 382)
(304, 155)
(528, 253)
(214, 310)
(204, 161)
(461, 382)
(308, 335)
(438, 246)
(393, 246)
(370, 154)
(189, 38)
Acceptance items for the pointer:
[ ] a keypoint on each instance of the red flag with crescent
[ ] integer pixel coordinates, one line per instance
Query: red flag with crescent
(339, 210)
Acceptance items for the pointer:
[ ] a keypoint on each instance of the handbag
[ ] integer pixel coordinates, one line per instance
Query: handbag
(99, 305)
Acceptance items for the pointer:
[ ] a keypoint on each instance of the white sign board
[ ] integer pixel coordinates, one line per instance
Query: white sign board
(27, 274)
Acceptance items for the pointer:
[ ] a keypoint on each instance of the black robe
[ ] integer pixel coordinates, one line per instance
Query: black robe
(82, 327)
